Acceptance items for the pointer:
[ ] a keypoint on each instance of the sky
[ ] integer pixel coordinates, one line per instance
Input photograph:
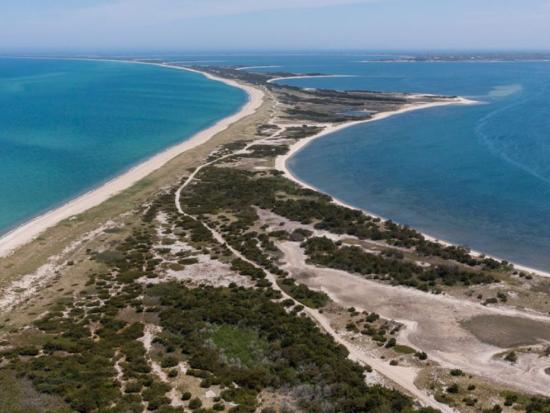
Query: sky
(178, 25)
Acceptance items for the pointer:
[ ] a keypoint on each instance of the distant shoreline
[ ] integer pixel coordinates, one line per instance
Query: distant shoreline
(281, 165)
(31, 229)
(275, 79)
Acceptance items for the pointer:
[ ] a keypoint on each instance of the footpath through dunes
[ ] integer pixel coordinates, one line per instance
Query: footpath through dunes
(403, 377)
(456, 333)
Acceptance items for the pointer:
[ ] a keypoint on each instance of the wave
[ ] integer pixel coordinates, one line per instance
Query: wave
(505, 90)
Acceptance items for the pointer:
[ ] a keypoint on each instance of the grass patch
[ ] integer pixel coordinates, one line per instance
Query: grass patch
(239, 345)
(401, 348)
(300, 292)
(18, 396)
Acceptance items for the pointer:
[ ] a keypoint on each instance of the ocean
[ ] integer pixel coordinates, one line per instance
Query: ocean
(69, 126)
(473, 175)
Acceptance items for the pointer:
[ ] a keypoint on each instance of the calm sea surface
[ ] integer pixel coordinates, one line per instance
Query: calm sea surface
(68, 126)
(476, 175)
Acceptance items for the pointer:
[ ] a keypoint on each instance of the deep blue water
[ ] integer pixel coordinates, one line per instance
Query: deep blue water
(68, 126)
(476, 175)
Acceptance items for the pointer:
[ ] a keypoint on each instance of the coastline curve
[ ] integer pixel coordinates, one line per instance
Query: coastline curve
(30, 230)
(281, 165)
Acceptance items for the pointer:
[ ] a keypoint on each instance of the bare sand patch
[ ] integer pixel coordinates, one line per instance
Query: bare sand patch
(433, 322)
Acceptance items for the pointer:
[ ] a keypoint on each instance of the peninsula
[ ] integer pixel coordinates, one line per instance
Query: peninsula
(208, 278)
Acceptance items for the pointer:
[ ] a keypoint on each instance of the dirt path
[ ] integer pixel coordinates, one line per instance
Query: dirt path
(433, 322)
(404, 377)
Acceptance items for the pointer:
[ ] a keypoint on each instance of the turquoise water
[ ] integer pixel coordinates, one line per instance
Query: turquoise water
(68, 126)
(474, 175)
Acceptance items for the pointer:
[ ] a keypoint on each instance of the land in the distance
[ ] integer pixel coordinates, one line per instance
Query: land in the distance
(465, 57)
(219, 283)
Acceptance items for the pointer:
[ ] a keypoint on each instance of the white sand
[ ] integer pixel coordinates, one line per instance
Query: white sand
(281, 161)
(257, 67)
(30, 230)
(306, 77)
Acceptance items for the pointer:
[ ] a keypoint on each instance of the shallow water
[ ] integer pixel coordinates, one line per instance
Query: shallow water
(68, 126)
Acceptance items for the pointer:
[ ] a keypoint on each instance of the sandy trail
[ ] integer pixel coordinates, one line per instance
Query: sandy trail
(433, 322)
(402, 376)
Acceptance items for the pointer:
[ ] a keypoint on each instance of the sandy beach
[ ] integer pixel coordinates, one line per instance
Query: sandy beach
(33, 228)
(281, 164)
(305, 77)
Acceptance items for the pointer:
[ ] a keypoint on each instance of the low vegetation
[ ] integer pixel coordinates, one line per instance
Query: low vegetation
(325, 252)
(87, 354)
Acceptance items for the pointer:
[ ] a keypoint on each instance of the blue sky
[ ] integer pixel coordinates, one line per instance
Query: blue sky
(273, 24)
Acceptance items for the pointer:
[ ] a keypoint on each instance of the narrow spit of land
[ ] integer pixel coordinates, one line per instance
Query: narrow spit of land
(218, 283)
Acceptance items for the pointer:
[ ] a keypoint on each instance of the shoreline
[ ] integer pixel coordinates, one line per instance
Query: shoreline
(275, 79)
(257, 67)
(31, 229)
(281, 165)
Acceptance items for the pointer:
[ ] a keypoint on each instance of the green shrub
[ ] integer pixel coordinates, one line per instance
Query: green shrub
(195, 403)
